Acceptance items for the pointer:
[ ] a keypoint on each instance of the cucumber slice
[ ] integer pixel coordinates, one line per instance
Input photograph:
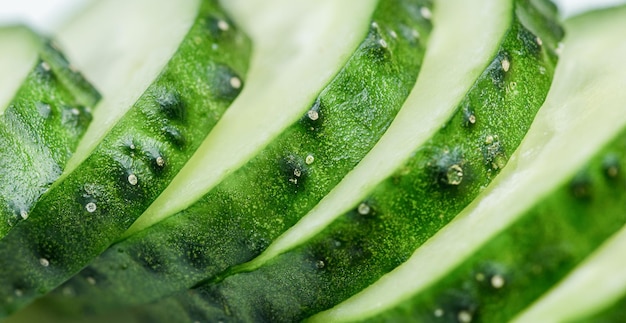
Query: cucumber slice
(235, 221)
(136, 159)
(380, 233)
(594, 292)
(552, 206)
(45, 110)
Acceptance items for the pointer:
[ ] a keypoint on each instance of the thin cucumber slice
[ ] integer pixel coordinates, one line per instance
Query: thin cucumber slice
(559, 199)
(594, 292)
(287, 74)
(95, 203)
(41, 124)
(235, 221)
(378, 234)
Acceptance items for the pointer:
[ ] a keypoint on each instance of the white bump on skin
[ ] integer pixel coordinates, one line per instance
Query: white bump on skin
(313, 115)
(497, 281)
(235, 82)
(160, 161)
(363, 209)
(91, 207)
(132, 179)
(506, 65)
(223, 25)
(309, 159)
(426, 13)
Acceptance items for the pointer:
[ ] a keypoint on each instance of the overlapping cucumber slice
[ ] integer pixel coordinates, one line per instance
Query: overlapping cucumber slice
(595, 291)
(555, 204)
(198, 74)
(237, 219)
(463, 118)
(45, 108)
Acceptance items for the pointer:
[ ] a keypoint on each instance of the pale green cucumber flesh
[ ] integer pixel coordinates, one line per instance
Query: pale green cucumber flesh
(93, 205)
(405, 209)
(548, 210)
(41, 125)
(235, 221)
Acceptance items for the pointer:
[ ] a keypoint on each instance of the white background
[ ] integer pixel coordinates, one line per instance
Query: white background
(46, 14)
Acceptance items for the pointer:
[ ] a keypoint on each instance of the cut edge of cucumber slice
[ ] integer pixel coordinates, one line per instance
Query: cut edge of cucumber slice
(601, 277)
(434, 98)
(20, 48)
(285, 76)
(566, 130)
(120, 67)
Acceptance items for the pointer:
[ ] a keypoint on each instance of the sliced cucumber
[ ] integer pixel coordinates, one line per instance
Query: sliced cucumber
(381, 232)
(559, 199)
(136, 159)
(235, 221)
(594, 292)
(45, 109)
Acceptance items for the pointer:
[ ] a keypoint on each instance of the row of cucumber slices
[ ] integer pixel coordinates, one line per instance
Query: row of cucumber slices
(281, 160)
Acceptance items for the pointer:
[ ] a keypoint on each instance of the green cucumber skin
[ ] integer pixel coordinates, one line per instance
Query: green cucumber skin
(538, 250)
(97, 202)
(612, 313)
(358, 248)
(404, 210)
(236, 220)
(39, 131)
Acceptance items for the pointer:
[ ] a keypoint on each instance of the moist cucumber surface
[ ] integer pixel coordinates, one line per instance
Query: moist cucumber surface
(46, 108)
(136, 159)
(235, 221)
(541, 217)
(372, 238)
(595, 291)
(486, 267)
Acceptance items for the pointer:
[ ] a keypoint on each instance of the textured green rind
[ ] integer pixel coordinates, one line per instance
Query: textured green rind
(39, 132)
(237, 220)
(404, 210)
(532, 255)
(92, 206)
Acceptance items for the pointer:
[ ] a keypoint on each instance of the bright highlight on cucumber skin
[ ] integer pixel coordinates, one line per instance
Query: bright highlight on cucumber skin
(541, 217)
(41, 125)
(235, 221)
(97, 202)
